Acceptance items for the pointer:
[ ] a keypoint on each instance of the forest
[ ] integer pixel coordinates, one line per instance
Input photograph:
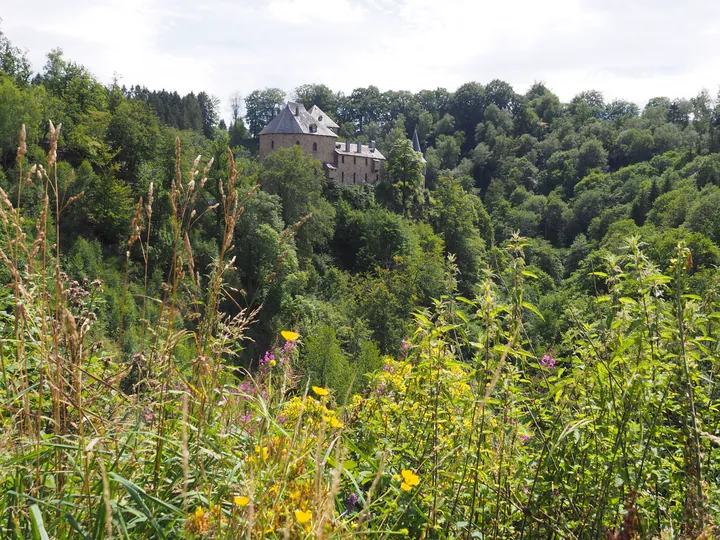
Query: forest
(194, 343)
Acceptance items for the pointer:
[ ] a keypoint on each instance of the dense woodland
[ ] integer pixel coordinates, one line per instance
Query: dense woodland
(550, 285)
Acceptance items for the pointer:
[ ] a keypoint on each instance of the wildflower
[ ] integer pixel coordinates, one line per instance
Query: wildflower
(241, 501)
(333, 421)
(405, 344)
(351, 501)
(289, 336)
(547, 361)
(262, 451)
(303, 517)
(320, 391)
(198, 521)
(410, 479)
(267, 361)
(148, 415)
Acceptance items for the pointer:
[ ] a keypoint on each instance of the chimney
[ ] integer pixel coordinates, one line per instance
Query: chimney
(372, 146)
(359, 148)
(347, 146)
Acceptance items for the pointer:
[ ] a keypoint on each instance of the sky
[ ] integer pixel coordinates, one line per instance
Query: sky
(632, 50)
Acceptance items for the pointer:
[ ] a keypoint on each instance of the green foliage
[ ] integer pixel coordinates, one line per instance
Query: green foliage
(136, 397)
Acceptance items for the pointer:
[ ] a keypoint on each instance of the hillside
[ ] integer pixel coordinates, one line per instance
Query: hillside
(194, 343)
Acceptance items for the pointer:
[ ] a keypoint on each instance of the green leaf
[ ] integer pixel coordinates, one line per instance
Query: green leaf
(529, 274)
(136, 493)
(532, 308)
(38, 527)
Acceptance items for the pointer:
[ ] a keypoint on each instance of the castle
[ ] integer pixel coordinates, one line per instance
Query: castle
(316, 134)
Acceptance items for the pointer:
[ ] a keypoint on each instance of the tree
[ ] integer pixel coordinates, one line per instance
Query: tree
(501, 94)
(445, 126)
(260, 107)
(467, 106)
(448, 150)
(591, 155)
(298, 180)
(210, 112)
(703, 217)
(424, 127)
(458, 216)
(235, 106)
(587, 104)
(238, 133)
(404, 169)
(319, 95)
(133, 135)
(635, 145)
(13, 61)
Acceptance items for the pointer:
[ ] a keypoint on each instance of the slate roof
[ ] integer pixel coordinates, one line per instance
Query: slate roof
(340, 149)
(317, 113)
(416, 145)
(294, 118)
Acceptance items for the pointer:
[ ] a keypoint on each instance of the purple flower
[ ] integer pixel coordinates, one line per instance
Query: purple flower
(267, 361)
(547, 362)
(351, 501)
(405, 344)
(148, 415)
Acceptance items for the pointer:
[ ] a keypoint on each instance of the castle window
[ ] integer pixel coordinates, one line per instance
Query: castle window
(313, 128)
(342, 177)
(365, 177)
(366, 161)
(314, 147)
(354, 160)
(377, 177)
(272, 144)
(354, 178)
(297, 142)
(343, 159)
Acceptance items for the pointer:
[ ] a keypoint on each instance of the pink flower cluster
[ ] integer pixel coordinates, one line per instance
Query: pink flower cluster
(547, 362)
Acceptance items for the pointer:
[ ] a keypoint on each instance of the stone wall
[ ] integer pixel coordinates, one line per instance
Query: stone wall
(358, 169)
(324, 151)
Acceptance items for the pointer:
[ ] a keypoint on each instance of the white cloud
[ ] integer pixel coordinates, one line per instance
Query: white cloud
(315, 12)
(633, 50)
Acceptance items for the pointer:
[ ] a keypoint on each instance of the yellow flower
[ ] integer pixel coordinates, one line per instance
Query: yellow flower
(199, 512)
(262, 451)
(289, 336)
(241, 501)
(333, 421)
(303, 517)
(320, 391)
(396, 477)
(410, 479)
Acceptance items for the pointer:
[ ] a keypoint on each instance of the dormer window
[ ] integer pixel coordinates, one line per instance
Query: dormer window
(313, 128)
(320, 118)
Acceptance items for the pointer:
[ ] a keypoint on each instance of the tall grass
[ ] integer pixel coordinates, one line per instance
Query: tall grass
(467, 433)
